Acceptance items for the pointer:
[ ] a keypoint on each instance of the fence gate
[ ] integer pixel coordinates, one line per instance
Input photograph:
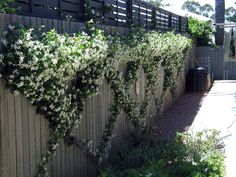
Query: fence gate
(213, 59)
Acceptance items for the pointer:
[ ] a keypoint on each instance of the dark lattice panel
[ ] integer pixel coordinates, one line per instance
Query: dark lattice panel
(109, 12)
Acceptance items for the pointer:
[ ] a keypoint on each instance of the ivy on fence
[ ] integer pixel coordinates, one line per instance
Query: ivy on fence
(59, 72)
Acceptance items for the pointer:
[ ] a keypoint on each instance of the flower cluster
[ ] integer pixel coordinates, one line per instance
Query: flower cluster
(59, 72)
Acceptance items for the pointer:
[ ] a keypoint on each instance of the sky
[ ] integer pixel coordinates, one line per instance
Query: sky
(179, 3)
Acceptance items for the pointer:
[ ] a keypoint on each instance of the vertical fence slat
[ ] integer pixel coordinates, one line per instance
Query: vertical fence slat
(170, 21)
(4, 157)
(31, 120)
(25, 122)
(180, 23)
(19, 139)
(5, 163)
(129, 11)
(83, 135)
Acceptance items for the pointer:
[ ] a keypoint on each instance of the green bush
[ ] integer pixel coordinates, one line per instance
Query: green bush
(188, 155)
(5, 6)
(202, 32)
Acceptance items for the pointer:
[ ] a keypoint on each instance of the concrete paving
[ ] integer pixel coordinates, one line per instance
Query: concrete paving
(218, 111)
(197, 111)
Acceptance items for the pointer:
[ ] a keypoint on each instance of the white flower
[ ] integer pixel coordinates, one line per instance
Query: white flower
(14, 46)
(11, 27)
(58, 109)
(20, 84)
(41, 89)
(21, 59)
(18, 53)
(11, 76)
(54, 60)
(28, 36)
(4, 41)
(45, 64)
(16, 93)
(4, 33)
(51, 106)
(19, 42)
(15, 72)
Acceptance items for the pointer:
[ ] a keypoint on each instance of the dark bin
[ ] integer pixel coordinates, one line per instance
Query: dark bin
(197, 79)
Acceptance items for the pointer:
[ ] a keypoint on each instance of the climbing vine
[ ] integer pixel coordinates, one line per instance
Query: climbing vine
(59, 72)
(6, 6)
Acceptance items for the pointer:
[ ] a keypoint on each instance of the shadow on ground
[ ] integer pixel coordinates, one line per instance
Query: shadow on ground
(180, 116)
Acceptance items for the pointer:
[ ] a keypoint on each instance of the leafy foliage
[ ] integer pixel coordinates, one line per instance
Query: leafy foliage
(157, 3)
(5, 6)
(196, 155)
(194, 7)
(230, 14)
(201, 31)
(59, 72)
(206, 10)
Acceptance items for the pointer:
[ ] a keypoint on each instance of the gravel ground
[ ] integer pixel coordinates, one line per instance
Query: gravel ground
(180, 116)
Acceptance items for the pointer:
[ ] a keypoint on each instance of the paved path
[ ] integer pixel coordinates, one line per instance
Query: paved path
(197, 111)
(219, 111)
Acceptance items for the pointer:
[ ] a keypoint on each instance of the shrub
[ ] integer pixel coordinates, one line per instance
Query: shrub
(188, 155)
(5, 6)
(202, 32)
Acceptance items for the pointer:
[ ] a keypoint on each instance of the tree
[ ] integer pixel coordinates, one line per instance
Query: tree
(192, 6)
(201, 31)
(157, 3)
(230, 14)
(206, 10)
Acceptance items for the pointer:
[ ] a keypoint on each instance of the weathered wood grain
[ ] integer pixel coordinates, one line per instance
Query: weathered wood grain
(24, 134)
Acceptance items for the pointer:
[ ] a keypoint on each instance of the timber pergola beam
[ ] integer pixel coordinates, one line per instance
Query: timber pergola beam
(225, 25)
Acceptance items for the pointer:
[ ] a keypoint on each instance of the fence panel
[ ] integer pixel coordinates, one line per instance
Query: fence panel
(230, 70)
(216, 58)
(24, 134)
(108, 12)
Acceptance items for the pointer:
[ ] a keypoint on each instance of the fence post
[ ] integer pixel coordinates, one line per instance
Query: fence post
(59, 8)
(186, 24)
(180, 23)
(154, 19)
(129, 11)
(82, 10)
(103, 12)
(31, 6)
(170, 21)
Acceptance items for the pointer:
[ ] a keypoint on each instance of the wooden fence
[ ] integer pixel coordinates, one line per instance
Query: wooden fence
(214, 57)
(110, 12)
(230, 70)
(24, 134)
